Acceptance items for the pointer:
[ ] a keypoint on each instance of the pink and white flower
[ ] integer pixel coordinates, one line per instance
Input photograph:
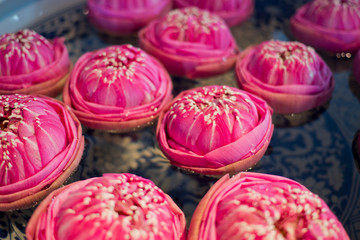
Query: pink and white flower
(331, 25)
(290, 76)
(190, 42)
(215, 129)
(41, 145)
(117, 88)
(232, 11)
(122, 17)
(32, 64)
(114, 206)
(262, 206)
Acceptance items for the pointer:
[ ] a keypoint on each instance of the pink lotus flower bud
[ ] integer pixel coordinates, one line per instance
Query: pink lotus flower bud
(215, 129)
(121, 17)
(115, 206)
(331, 25)
(41, 145)
(232, 11)
(190, 42)
(117, 88)
(262, 206)
(290, 76)
(31, 64)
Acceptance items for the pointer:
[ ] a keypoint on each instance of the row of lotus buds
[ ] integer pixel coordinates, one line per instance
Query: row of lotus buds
(189, 42)
(310, 24)
(122, 88)
(125, 206)
(127, 17)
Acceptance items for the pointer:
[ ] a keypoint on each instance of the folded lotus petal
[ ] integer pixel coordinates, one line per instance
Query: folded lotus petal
(215, 129)
(190, 42)
(122, 17)
(290, 76)
(232, 11)
(31, 64)
(114, 206)
(331, 25)
(263, 206)
(41, 145)
(117, 88)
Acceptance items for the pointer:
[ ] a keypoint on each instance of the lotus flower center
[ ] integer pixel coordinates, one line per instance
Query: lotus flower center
(9, 116)
(192, 25)
(210, 118)
(285, 63)
(4, 120)
(284, 55)
(118, 58)
(275, 209)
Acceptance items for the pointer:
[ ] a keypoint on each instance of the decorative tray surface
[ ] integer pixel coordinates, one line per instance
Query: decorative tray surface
(315, 151)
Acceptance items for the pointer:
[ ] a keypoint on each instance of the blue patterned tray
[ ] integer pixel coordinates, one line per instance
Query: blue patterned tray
(317, 152)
